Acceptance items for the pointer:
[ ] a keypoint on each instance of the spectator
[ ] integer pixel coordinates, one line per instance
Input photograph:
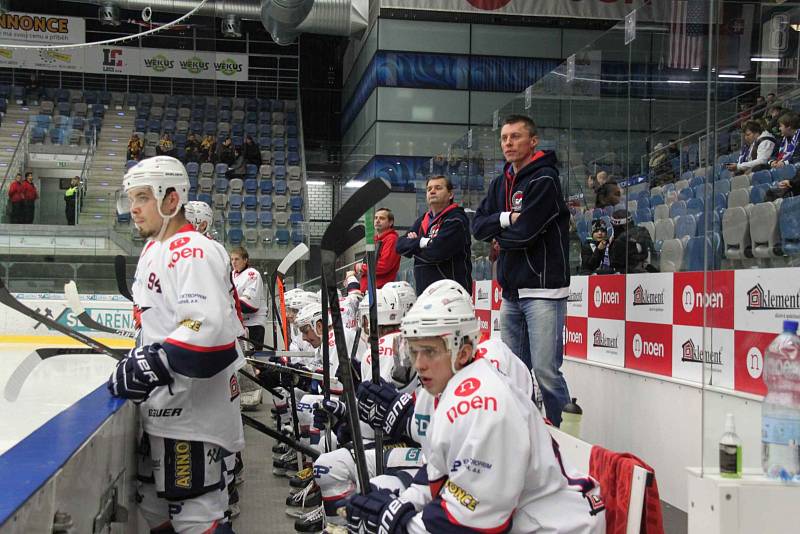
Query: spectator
(70, 199)
(602, 177)
(594, 252)
(192, 149)
(608, 194)
(208, 149)
(789, 124)
(760, 106)
(439, 241)
(773, 114)
(770, 101)
(630, 245)
(524, 210)
(226, 153)
(135, 147)
(31, 194)
(660, 166)
(672, 149)
(388, 260)
(16, 195)
(758, 149)
(784, 188)
(238, 169)
(251, 152)
(165, 146)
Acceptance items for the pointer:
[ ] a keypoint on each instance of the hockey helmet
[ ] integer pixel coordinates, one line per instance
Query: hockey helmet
(405, 292)
(160, 174)
(197, 212)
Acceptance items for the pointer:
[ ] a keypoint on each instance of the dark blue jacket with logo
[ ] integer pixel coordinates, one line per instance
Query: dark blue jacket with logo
(448, 253)
(534, 252)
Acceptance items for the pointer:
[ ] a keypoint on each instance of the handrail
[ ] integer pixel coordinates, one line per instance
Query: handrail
(311, 280)
(14, 165)
(85, 173)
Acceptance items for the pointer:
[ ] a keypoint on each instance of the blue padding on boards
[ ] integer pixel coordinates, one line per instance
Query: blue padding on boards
(30, 463)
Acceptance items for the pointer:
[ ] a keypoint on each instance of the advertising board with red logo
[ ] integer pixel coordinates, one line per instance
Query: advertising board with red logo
(691, 301)
(648, 347)
(575, 337)
(607, 296)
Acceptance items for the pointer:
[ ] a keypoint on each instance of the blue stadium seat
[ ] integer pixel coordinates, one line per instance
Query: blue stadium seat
(204, 197)
(251, 129)
(720, 202)
(123, 217)
(722, 186)
(695, 206)
(237, 130)
(210, 128)
(296, 203)
(265, 202)
(786, 172)
(265, 219)
(761, 177)
(235, 201)
(643, 215)
(251, 171)
(140, 125)
(656, 200)
(696, 247)
(266, 186)
(280, 187)
(250, 202)
(220, 170)
(685, 194)
(221, 185)
(757, 193)
(264, 105)
(282, 236)
(168, 126)
(716, 225)
(293, 145)
(234, 218)
(251, 186)
(250, 219)
(291, 132)
(699, 191)
(265, 142)
(582, 227)
(295, 218)
(294, 159)
(154, 125)
(789, 221)
(235, 236)
(278, 156)
(677, 209)
(685, 226)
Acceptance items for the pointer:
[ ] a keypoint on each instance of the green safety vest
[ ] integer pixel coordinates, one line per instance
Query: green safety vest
(71, 191)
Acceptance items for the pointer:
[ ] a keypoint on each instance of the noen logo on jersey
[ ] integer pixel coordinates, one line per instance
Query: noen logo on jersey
(188, 252)
(601, 340)
(692, 353)
(642, 347)
(476, 402)
(601, 297)
(758, 299)
(178, 243)
(643, 297)
(467, 387)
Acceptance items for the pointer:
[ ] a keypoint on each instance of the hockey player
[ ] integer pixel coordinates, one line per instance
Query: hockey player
(199, 214)
(183, 374)
(294, 303)
(250, 288)
(492, 465)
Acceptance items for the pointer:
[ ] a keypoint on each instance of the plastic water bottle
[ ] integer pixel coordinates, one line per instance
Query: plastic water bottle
(780, 411)
(730, 450)
(571, 416)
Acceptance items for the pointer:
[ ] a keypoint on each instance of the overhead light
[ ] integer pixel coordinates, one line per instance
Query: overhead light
(678, 81)
(765, 59)
(315, 182)
(737, 76)
(695, 69)
(108, 15)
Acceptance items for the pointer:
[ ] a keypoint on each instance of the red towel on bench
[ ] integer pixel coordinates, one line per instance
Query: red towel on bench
(614, 470)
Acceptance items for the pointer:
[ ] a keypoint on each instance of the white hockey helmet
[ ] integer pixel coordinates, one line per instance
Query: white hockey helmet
(197, 212)
(159, 173)
(309, 315)
(406, 293)
(443, 310)
(390, 308)
(300, 300)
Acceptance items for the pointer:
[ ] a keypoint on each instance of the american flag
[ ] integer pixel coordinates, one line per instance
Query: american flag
(687, 32)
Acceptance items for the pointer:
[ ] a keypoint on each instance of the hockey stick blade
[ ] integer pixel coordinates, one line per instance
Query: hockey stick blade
(354, 235)
(294, 255)
(277, 436)
(74, 302)
(365, 197)
(284, 369)
(121, 274)
(26, 367)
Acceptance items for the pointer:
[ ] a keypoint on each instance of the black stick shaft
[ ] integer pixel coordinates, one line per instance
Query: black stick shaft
(274, 434)
(373, 345)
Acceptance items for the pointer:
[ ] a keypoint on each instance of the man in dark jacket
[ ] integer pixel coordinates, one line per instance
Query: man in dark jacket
(16, 195)
(524, 210)
(439, 241)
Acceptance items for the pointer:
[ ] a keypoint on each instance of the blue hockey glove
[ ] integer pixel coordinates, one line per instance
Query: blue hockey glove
(382, 406)
(328, 412)
(378, 509)
(139, 373)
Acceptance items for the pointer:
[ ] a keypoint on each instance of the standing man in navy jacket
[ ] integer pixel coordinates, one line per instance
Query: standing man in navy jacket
(439, 241)
(524, 210)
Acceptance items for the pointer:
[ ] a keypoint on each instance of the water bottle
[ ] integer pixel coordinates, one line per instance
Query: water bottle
(730, 450)
(571, 418)
(780, 411)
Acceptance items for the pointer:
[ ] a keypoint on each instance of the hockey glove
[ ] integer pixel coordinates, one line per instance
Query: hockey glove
(328, 412)
(382, 406)
(143, 370)
(378, 510)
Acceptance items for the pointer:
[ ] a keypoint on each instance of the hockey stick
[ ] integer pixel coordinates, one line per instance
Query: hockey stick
(277, 436)
(121, 274)
(255, 379)
(373, 329)
(294, 255)
(367, 196)
(285, 369)
(26, 367)
(74, 302)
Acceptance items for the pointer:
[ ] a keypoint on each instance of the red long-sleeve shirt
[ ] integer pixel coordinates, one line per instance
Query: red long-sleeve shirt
(388, 260)
(16, 191)
(29, 191)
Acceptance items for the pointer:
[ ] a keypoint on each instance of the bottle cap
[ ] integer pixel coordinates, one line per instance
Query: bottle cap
(572, 407)
(730, 424)
(790, 326)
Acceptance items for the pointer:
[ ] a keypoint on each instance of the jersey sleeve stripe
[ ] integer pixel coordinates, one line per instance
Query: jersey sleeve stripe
(198, 362)
(437, 518)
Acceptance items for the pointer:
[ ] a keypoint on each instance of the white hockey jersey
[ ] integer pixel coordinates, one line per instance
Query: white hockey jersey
(252, 297)
(486, 472)
(348, 306)
(184, 292)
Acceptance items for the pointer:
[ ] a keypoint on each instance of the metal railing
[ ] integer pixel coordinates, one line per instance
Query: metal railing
(86, 172)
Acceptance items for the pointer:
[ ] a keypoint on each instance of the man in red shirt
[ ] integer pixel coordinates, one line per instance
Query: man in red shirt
(16, 195)
(31, 194)
(388, 260)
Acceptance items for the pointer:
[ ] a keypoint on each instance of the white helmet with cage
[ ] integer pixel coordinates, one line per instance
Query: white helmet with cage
(390, 307)
(443, 310)
(406, 293)
(198, 212)
(160, 174)
(309, 315)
